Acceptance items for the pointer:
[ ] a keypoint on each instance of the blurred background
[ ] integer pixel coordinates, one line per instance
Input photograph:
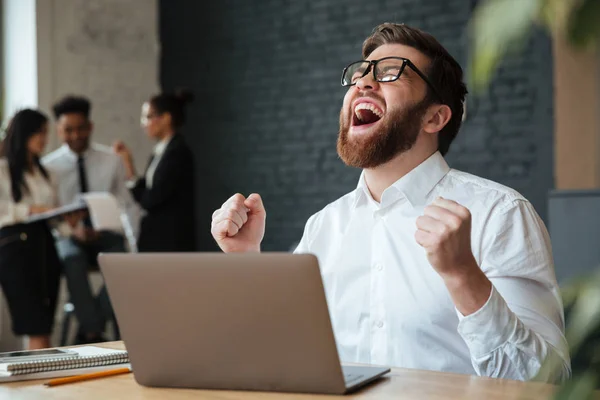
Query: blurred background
(266, 78)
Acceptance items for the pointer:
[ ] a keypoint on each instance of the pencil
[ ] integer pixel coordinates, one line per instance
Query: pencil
(85, 377)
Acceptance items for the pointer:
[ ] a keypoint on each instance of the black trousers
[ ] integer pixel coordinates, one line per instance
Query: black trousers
(30, 277)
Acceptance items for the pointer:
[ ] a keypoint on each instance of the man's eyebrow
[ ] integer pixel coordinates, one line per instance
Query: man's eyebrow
(409, 72)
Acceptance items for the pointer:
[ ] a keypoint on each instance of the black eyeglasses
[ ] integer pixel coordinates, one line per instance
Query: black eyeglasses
(387, 69)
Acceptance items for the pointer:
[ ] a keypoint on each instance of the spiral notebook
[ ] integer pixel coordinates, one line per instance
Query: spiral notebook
(87, 359)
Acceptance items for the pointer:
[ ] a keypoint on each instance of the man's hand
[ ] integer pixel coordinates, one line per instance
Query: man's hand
(239, 225)
(84, 234)
(444, 231)
(73, 218)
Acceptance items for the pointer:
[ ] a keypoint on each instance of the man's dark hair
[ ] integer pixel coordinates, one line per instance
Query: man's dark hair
(72, 105)
(444, 72)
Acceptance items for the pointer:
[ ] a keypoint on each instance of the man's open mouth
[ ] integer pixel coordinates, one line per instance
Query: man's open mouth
(365, 114)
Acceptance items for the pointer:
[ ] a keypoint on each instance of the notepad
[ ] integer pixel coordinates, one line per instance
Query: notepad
(88, 359)
(79, 205)
(103, 209)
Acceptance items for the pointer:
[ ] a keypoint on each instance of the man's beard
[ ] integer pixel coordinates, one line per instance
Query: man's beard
(398, 133)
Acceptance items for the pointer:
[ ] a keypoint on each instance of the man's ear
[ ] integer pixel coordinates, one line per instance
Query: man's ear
(436, 118)
(91, 124)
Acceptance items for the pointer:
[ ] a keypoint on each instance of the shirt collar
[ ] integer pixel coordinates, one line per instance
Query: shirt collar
(161, 146)
(362, 191)
(71, 154)
(415, 186)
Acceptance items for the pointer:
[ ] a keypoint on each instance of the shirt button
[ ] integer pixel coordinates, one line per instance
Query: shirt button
(380, 324)
(378, 267)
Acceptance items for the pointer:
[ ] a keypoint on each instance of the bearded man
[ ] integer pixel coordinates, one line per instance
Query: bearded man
(423, 266)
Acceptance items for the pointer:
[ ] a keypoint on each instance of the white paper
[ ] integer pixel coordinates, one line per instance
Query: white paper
(104, 211)
(86, 351)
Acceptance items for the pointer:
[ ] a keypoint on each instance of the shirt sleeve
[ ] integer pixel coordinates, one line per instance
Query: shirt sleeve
(131, 213)
(10, 212)
(522, 323)
(303, 246)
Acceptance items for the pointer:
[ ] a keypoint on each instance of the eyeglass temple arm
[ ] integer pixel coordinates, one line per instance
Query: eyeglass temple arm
(425, 78)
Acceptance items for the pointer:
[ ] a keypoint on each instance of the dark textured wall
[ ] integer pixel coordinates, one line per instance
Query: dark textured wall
(266, 74)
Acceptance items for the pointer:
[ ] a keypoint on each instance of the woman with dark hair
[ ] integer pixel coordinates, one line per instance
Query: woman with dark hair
(166, 190)
(29, 265)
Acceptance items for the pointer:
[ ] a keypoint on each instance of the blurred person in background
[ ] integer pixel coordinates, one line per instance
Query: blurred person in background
(29, 265)
(166, 189)
(82, 166)
(424, 266)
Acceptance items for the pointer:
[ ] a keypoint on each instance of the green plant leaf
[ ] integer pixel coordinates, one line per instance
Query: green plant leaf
(497, 28)
(551, 368)
(579, 388)
(554, 14)
(571, 290)
(585, 315)
(583, 27)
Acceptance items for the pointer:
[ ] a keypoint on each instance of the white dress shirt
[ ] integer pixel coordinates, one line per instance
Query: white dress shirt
(40, 192)
(159, 150)
(390, 307)
(105, 173)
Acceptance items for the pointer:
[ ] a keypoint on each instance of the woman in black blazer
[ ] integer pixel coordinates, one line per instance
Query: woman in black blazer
(29, 265)
(166, 190)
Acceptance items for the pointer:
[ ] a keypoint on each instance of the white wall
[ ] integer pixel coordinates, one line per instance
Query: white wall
(106, 50)
(19, 61)
(19, 68)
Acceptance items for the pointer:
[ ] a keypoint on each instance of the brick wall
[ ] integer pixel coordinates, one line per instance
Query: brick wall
(267, 73)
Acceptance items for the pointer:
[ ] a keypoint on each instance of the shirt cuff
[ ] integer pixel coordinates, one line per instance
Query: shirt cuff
(489, 327)
(21, 212)
(130, 184)
(63, 229)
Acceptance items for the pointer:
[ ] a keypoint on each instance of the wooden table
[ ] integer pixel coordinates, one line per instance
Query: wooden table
(400, 384)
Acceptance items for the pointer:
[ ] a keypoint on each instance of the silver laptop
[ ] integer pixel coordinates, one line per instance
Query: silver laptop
(228, 321)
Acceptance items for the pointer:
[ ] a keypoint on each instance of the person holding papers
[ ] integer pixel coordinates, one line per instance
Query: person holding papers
(166, 191)
(29, 265)
(81, 167)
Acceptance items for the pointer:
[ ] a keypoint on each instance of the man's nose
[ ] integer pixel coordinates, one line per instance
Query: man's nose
(367, 82)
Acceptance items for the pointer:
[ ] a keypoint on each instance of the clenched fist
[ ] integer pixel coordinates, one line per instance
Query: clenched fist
(239, 225)
(444, 231)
